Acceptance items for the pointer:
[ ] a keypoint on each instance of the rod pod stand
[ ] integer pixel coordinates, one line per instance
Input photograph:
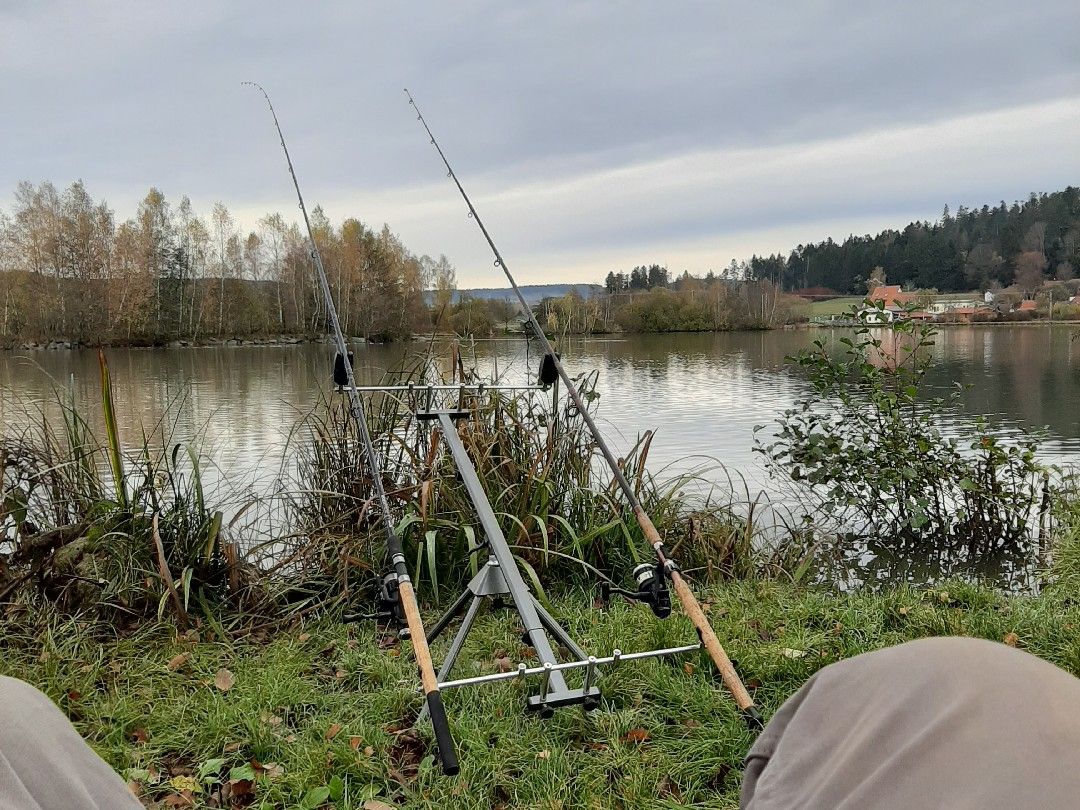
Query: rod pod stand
(500, 579)
(691, 607)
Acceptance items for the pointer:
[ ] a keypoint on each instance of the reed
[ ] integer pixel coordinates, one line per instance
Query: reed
(557, 502)
(125, 530)
(110, 528)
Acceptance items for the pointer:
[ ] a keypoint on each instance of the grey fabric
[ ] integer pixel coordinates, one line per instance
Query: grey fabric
(44, 763)
(937, 723)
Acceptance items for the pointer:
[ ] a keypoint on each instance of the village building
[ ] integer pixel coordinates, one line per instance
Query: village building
(888, 303)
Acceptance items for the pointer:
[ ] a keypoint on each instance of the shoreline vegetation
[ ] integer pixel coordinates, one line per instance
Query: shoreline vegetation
(209, 664)
(70, 273)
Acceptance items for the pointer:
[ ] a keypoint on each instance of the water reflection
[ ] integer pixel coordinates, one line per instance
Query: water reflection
(702, 393)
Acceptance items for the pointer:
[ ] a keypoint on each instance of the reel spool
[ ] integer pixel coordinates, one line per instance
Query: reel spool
(388, 607)
(652, 589)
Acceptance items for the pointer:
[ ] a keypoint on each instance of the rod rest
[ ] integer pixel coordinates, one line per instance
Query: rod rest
(430, 415)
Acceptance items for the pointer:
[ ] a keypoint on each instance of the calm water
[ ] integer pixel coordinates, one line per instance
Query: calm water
(703, 394)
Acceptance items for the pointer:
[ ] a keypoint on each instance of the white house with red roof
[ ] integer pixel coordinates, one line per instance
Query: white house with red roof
(886, 303)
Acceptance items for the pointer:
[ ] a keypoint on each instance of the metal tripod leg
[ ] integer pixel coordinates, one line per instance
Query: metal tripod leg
(449, 616)
(501, 577)
(459, 639)
(560, 634)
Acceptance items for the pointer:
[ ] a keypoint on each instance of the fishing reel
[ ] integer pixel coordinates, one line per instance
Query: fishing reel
(388, 607)
(652, 589)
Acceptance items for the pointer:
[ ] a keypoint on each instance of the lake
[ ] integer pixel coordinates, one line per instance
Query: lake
(702, 393)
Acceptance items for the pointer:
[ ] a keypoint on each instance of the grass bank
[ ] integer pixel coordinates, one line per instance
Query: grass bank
(317, 715)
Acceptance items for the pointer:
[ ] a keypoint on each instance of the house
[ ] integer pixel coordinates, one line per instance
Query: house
(885, 304)
(943, 305)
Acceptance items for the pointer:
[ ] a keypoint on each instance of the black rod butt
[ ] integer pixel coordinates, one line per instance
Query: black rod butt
(447, 756)
(753, 719)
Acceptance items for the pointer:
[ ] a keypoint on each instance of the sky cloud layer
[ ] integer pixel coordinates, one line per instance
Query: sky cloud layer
(592, 136)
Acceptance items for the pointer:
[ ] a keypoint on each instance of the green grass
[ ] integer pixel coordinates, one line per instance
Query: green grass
(152, 723)
(834, 306)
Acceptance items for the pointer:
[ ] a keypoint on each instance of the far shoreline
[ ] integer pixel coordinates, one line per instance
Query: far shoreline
(63, 344)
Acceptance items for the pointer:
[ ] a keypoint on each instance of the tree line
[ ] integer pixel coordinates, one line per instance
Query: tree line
(685, 304)
(69, 270)
(1023, 244)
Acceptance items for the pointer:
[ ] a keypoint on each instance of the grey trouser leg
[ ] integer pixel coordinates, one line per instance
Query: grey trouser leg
(937, 723)
(44, 763)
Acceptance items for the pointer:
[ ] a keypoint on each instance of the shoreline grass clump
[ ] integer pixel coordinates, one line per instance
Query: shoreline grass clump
(557, 503)
(123, 532)
(109, 533)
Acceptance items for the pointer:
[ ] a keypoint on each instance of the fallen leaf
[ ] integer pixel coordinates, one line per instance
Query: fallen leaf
(787, 652)
(503, 664)
(1012, 639)
(354, 743)
(333, 731)
(179, 800)
(303, 637)
(74, 695)
(375, 804)
(185, 783)
(688, 668)
(140, 735)
(944, 597)
(637, 735)
(273, 770)
(271, 720)
(241, 792)
(905, 610)
(178, 661)
(224, 680)
(369, 751)
(543, 755)
(232, 747)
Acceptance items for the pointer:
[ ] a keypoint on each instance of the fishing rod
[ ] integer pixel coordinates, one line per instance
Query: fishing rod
(552, 362)
(394, 551)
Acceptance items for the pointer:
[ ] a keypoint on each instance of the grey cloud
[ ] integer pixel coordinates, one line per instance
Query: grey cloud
(128, 94)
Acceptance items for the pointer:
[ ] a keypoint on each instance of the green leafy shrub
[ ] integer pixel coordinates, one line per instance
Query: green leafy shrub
(866, 450)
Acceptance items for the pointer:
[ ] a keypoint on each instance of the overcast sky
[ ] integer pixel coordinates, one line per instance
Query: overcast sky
(592, 136)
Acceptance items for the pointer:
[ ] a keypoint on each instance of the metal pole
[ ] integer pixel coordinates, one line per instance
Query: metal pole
(447, 755)
(686, 597)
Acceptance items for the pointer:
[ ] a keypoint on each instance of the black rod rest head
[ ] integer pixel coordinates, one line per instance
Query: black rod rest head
(549, 372)
(341, 377)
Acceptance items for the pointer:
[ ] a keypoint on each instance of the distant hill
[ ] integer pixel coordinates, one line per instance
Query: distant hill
(534, 293)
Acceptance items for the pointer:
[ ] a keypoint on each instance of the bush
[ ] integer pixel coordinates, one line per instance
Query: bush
(865, 451)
